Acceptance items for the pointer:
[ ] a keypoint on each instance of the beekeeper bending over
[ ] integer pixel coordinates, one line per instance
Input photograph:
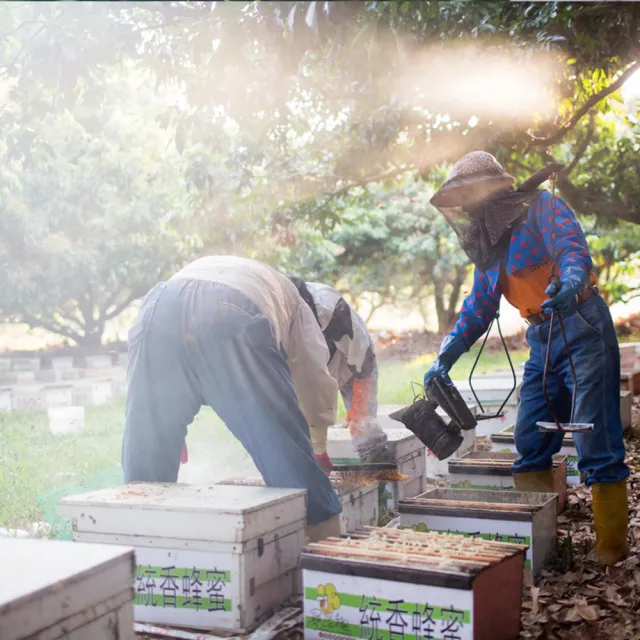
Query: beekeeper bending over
(233, 334)
(354, 366)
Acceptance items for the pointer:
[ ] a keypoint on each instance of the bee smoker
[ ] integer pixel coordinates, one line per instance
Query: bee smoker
(421, 418)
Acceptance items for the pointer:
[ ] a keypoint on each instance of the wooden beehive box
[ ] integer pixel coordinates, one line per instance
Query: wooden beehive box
(408, 452)
(505, 516)
(208, 556)
(92, 392)
(504, 441)
(57, 395)
(54, 590)
(630, 381)
(359, 503)
(387, 583)
(492, 470)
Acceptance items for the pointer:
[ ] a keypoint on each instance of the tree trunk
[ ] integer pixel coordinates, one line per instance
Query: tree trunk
(447, 310)
(91, 341)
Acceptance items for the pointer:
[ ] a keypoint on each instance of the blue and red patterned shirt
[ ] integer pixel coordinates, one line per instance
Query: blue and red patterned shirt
(549, 220)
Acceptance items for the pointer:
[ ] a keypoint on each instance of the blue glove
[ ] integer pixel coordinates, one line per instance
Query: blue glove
(563, 292)
(450, 351)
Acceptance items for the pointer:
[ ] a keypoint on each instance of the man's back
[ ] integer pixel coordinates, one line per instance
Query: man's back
(268, 289)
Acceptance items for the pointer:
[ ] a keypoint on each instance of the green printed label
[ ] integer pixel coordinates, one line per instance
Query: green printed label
(342, 629)
(182, 588)
(572, 466)
(362, 601)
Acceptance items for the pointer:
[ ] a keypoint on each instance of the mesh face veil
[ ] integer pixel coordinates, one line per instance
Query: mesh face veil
(480, 204)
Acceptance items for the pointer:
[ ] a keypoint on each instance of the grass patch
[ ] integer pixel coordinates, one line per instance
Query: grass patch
(38, 469)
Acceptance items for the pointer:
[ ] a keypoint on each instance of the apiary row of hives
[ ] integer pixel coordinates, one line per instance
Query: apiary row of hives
(225, 556)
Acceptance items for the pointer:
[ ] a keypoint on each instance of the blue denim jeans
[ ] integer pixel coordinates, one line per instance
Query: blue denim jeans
(596, 358)
(201, 343)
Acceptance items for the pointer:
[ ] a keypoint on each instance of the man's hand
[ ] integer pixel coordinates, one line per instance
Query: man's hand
(563, 292)
(184, 456)
(450, 351)
(324, 462)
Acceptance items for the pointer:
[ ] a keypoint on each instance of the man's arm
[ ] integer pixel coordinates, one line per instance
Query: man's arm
(315, 388)
(478, 310)
(570, 248)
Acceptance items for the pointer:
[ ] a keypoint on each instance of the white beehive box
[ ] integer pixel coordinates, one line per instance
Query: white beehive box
(208, 556)
(62, 363)
(491, 470)
(360, 505)
(5, 399)
(57, 395)
(367, 587)
(26, 396)
(628, 356)
(55, 590)
(5, 365)
(491, 392)
(66, 420)
(509, 516)
(92, 392)
(504, 441)
(26, 364)
(408, 454)
(102, 361)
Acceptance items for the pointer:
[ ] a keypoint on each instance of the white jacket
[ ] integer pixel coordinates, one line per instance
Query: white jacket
(293, 323)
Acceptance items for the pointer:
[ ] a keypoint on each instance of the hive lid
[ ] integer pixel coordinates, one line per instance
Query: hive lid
(477, 503)
(48, 580)
(400, 441)
(444, 560)
(495, 462)
(212, 512)
(341, 488)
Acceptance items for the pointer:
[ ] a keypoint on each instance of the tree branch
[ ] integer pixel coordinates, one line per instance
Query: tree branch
(116, 311)
(584, 109)
(582, 147)
(34, 322)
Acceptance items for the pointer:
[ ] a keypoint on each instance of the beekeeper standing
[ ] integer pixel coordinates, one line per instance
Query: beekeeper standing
(354, 366)
(527, 245)
(233, 334)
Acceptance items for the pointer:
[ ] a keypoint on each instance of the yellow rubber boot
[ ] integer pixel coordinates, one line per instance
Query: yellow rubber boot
(611, 521)
(534, 481)
(322, 530)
